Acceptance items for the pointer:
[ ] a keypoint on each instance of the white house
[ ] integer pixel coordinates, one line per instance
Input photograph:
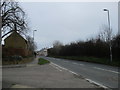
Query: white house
(43, 52)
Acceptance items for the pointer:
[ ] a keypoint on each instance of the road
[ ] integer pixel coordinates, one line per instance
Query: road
(101, 74)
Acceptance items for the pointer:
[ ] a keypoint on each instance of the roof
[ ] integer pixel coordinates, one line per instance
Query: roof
(13, 33)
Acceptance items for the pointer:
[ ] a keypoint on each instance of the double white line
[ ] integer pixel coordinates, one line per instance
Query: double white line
(89, 80)
(52, 64)
(60, 68)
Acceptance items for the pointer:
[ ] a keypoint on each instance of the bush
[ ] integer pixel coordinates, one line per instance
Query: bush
(16, 57)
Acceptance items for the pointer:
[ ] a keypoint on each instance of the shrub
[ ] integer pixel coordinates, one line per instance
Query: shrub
(16, 57)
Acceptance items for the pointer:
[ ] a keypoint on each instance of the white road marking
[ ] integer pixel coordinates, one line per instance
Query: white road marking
(64, 69)
(56, 67)
(59, 66)
(106, 70)
(73, 72)
(75, 63)
(81, 64)
(91, 81)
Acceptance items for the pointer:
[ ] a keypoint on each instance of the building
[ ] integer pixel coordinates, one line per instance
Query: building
(15, 44)
(43, 52)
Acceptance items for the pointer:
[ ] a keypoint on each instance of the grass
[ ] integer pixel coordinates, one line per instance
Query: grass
(105, 61)
(42, 61)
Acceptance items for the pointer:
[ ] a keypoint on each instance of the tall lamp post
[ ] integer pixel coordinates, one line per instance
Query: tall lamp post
(33, 34)
(110, 45)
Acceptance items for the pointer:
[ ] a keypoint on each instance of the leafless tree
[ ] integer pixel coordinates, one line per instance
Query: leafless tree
(106, 35)
(57, 46)
(31, 44)
(12, 17)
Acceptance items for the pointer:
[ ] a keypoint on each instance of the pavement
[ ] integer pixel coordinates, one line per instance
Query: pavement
(43, 76)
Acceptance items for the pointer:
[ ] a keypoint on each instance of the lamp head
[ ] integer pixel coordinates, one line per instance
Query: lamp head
(105, 10)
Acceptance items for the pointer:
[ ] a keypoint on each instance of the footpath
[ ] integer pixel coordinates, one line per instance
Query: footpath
(43, 76)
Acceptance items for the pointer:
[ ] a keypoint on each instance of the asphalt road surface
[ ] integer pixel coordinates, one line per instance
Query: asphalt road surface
(102, 74)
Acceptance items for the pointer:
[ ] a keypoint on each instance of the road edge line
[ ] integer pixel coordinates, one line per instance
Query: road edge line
(98, 84)
(89, 80)
(55, 67)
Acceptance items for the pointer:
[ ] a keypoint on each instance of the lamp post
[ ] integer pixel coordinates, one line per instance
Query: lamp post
(33, 34)
(110, 45)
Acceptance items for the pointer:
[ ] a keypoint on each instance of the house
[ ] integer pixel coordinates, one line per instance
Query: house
(15, 40)
(15, 44)
(43, 52)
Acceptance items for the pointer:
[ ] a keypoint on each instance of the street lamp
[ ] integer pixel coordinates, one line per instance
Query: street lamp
(110, 45)
(33, 34)
(106, 10)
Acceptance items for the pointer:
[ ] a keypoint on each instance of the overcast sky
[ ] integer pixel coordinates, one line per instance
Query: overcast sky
(68, 21)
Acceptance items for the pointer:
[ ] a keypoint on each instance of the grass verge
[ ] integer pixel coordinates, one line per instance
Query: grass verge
(42, 61)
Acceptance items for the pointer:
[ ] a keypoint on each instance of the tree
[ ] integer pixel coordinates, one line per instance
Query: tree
(116, 46)
(57, 46)
(107, 36)
(31, 44)
(12, 17)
